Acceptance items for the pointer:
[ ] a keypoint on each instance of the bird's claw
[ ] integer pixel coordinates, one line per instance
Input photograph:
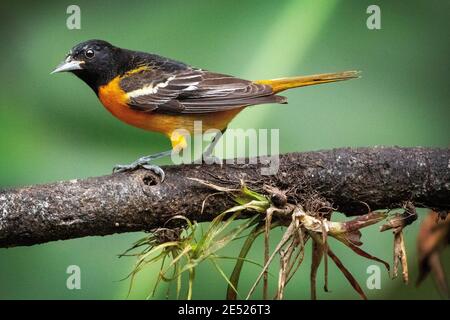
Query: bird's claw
(140, 164)
(211, 160)
(157, 170)
(124, 167)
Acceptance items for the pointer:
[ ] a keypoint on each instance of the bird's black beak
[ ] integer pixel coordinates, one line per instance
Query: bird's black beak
(68, 65)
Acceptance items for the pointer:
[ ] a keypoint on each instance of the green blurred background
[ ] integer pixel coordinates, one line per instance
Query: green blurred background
(53, 127)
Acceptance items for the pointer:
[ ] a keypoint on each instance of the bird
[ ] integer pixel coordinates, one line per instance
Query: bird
(163, 95)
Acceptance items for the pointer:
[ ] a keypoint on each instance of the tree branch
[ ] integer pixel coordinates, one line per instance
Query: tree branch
(352, 180)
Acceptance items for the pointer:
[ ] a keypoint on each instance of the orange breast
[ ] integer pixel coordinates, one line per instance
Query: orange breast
(115, 101)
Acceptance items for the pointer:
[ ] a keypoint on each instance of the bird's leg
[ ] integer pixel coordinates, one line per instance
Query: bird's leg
(207, 156)
(144, 162)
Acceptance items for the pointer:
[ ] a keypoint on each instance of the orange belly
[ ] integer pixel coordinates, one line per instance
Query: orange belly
(115, 101)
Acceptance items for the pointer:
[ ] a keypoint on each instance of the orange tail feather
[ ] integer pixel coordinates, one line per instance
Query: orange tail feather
(282, 84)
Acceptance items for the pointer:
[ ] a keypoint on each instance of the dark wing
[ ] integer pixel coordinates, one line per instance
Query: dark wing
(193, 91)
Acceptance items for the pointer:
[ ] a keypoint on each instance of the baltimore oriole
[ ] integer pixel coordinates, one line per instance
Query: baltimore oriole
(159, 94)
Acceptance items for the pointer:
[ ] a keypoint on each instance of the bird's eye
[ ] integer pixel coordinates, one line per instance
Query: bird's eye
(89, 53)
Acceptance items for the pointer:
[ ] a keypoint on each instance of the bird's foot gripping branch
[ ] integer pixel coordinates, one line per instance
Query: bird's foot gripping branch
(308, 188)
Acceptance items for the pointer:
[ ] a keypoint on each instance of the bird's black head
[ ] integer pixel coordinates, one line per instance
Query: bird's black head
(96, 62)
